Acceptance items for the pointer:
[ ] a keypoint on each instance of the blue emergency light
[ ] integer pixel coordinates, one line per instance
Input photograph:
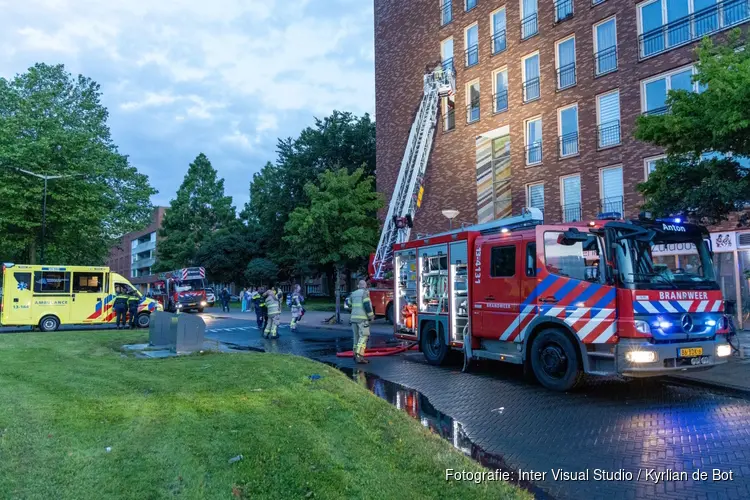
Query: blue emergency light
(609, 216)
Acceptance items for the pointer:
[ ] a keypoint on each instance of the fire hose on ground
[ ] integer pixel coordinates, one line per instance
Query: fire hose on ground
(381, 351)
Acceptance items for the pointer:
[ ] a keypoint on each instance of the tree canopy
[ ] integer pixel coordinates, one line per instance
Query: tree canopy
(199, 209)
(706, 136)
(52, 123)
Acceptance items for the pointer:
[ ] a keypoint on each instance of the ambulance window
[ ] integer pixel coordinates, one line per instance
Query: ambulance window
(23, 280)
(88, 282)
(51, 282)
(503, 262)
(124, 287)
(531, 259)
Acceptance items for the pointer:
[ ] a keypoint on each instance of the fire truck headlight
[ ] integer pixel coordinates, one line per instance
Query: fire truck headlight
(179, 306)
(723, 350)
(710, 322)
(641, 356)
(642, 326)
(204, 303)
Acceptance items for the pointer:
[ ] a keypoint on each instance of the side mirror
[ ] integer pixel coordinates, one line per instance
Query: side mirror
(571, 237)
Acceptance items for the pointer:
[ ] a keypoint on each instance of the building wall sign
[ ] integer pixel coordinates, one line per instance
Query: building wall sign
(720, 243)
(673, 249)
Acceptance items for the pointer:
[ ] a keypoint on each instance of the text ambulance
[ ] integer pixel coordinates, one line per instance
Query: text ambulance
(49, 296)
(562, 300)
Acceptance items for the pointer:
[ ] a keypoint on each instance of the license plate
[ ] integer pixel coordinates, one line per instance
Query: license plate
(691, 352)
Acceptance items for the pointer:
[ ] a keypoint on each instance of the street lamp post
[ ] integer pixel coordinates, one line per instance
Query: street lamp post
(450, 214)
(45, 178)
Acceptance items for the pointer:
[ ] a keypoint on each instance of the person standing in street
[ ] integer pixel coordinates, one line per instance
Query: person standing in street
(133, 301)
(362, 314)
(120, 307)
(225, 300)
(257, 301)
(296, 307)
(274, 314)
(243, 300)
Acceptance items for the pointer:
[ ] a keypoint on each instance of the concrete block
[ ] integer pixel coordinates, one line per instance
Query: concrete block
(163, 330)
(191, 332)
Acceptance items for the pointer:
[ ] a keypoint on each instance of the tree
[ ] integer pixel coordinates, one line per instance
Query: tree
(261, 271)
(705, 135)
(199, 209)
(341, 139)
(52, 123)
(225, 252)
(340, 225)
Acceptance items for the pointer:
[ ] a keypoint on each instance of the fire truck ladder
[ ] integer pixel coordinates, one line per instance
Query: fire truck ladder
(404, 202)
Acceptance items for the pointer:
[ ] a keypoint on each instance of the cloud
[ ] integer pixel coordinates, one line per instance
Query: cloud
(180, 77)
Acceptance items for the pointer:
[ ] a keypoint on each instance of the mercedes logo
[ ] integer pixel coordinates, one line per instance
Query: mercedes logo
(687, 323)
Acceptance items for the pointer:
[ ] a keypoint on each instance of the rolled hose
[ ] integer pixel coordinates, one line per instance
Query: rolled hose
(380, 351)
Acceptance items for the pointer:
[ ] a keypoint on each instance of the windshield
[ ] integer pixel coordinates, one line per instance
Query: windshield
(189, 285)
(639, 267)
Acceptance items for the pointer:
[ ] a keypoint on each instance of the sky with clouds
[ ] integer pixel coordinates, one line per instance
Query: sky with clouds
(222, 77)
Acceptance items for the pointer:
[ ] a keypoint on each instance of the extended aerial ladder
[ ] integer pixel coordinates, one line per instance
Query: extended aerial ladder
(407, 192)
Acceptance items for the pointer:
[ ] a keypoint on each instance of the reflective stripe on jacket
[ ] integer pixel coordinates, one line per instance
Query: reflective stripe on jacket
(272, 303)
(133, 302)
(361, 306)
(121, 301)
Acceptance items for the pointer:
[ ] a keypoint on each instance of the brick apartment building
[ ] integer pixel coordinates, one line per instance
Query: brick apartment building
(135, 254)
(547, 95)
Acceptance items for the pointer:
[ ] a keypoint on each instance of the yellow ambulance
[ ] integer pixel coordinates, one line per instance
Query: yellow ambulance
(50, 296)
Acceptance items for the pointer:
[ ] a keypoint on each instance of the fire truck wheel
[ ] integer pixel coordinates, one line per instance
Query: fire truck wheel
(143, 320)
(49, 324)
(389, 313)
(433, 346)
(554, 360)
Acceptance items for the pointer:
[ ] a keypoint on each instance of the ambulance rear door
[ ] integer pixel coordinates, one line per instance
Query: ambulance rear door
(16, 297)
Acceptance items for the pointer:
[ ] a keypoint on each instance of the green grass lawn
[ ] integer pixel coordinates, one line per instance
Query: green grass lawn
(172, 426)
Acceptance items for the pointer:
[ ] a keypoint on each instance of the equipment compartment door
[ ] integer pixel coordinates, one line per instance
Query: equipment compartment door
(499, 294)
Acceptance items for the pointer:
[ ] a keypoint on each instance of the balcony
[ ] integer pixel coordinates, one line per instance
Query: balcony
(500, 101)
(723, 15)
(568, 144)
(613, 204)
(531, 90)
(141, 263)
(446, 13)
(143, 247)
(571, 212)
(472, 56)
(498, 42)
(657, 111)
(534, 153)
(472, 112)
(566, 76)
(605, 61)
(529, 26)
(448, 66)
(563, 10)
(609, 134)
(449, 120)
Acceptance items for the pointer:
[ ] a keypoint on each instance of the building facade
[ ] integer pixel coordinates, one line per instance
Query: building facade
(547, 96)
(135, 254)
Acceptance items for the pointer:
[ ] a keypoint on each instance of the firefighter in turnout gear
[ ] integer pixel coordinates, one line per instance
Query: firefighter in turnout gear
(274, 314)
(257, 305)
(296, 305)
(120, 306)
(133, 301)
(362, 314)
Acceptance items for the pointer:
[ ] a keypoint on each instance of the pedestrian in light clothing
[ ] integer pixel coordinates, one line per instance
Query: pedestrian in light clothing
(362, 314)
(120, 306)
(296, 306)
(243, 300)
(134, 301)
(274, 314)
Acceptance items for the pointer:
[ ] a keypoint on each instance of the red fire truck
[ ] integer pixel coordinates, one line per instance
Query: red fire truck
(563, 300)
(182, 290)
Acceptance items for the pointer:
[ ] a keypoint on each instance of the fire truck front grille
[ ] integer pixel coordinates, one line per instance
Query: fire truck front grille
(680, 341)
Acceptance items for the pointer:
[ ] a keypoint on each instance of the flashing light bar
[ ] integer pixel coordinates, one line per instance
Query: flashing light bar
(609, 216)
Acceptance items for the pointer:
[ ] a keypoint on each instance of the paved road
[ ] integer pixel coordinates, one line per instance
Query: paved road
(638, 427)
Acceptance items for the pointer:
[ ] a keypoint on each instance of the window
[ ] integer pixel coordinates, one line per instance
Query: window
(470, 4)
(565, 55)
(449, 113)
(133, 244)
(23, 281)
(596, 2)
(52, 282)
(501, 178)
(88, 282)
(571, 198)
(471, 41)
(579, 261)
(472, 102)
(650, 165)
(446, 12)
(529, 24)
(567, 129)
(446, 54)
(530, 259)
(664, 24)
(563, 10)
(530, 68)
(533, 132)
(535, 196)
(500, 82)
(610, 181)
(125, 288)
(605, 47)
(497, 22)
(503, 262)
(608, 119)
(654, 90)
